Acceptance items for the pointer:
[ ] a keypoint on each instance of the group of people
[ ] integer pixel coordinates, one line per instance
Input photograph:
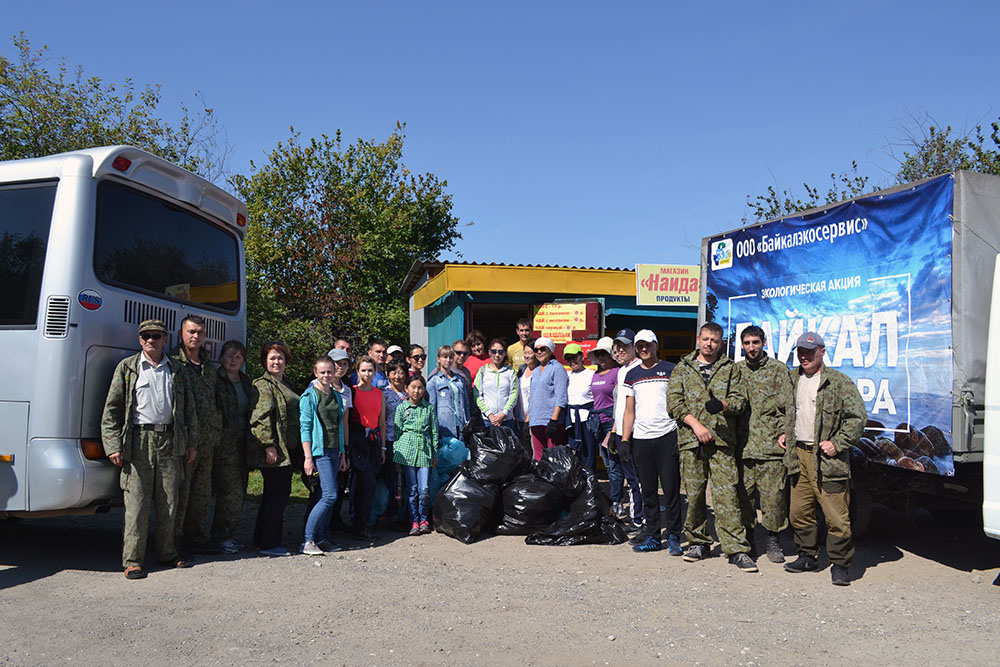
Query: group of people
(181, 429)
(748, 428)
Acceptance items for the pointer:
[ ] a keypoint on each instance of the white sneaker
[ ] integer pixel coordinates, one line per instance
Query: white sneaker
(275, 551)
(310, 549)
(231, 546)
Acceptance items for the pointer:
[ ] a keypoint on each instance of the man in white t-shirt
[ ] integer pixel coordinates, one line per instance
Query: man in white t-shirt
(650, 435)
(624, 353)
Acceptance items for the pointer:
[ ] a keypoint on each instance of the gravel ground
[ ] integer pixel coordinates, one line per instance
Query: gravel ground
(922, 594)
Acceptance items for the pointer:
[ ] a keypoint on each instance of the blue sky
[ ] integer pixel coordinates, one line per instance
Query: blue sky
(576, 133)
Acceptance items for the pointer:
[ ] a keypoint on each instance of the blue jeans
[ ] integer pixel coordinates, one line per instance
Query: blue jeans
(616, 476)
(619, 470)
(418, 491)
(318, 523)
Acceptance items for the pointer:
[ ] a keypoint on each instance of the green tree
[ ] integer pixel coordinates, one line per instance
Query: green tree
(333, 231)
(921, 149)
(774, 204)
(45, 111)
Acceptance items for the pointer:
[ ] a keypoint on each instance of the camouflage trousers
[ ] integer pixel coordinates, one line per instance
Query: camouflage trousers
(766, 479)
(718, 466)
(195, 499)
(229, 477)
(151, 477)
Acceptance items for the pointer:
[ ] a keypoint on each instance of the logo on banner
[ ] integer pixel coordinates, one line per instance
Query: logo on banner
(722, 254)
(90, 299)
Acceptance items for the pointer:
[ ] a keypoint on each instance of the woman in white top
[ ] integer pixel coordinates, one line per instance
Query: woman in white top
(524, 391)
(579, 435)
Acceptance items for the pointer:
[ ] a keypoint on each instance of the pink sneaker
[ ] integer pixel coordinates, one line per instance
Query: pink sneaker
(425, 527)
(415, 528)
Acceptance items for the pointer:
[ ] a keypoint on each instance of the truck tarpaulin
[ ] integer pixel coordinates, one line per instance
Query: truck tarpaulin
(873, 277)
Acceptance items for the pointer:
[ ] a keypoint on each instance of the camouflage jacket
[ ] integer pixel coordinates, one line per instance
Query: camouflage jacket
(117, 419)
(840, 418)
(235, 431)
(271, 425)
(769, 397)
(687, 394)
(206, 400)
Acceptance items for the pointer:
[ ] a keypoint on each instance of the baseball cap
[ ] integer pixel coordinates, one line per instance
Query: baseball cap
(152, 325)
(625, 336)
(810, 341)
(393, 349)
(646, 336)
(336, 354)
(571, 349)
(547, 342)
(605, 343)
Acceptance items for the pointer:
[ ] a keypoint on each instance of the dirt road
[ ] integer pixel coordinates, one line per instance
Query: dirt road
(922, 594)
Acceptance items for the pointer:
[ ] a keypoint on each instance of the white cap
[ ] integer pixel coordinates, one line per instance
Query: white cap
(547, 342)
(393, 349)
(604, 343)
(646, 336)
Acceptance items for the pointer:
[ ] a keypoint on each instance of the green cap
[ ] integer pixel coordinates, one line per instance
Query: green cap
(152, 325)
(572, 349)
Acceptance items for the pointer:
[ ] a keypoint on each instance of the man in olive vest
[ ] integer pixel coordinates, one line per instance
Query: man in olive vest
(828, 419)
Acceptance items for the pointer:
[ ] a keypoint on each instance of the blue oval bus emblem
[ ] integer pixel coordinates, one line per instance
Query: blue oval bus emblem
(90, 299)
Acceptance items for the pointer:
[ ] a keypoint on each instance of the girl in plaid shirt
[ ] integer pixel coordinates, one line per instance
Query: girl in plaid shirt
(415, 450)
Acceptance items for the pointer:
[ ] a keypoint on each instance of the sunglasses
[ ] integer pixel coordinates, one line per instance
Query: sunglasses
(419, 357)
(151, 336)
(542, 349)
(461, 353)
(498, 351)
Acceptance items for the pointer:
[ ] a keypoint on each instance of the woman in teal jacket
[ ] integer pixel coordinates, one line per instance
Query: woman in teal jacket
(323, 430)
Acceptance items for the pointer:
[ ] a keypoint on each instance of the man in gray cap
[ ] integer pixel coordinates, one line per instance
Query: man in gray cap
(149, 429)
(829, 417)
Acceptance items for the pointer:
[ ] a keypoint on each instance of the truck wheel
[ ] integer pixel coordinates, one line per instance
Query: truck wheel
(861, 511)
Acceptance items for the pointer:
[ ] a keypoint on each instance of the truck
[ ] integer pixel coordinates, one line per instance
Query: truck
(900, 284)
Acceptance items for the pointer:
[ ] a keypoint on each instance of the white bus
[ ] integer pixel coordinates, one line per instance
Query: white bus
(92, 243)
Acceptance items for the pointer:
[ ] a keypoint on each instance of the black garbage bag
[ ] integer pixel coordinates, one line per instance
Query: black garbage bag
(466, 507)
(496, 456)
(530, 504)
(561, 467)
(589, 520)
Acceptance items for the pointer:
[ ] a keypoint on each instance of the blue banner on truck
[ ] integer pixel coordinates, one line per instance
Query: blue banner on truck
(873, 278)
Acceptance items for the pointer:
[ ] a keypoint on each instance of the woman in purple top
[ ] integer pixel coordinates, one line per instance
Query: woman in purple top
(602, 419)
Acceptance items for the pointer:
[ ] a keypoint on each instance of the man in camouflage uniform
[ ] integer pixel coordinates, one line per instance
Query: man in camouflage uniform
(148, 428)
(196, 488)
(762, 468)
(828, 418)
(705, 395)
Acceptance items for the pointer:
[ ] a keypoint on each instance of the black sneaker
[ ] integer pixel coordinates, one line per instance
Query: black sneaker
(640, 537)
(696, 552)
(838, 574)
(803, 563)
(774, 552)
(743, 561)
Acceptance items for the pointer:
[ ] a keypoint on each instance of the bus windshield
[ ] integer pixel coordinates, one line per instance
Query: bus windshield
(145, 244)
(25, 217)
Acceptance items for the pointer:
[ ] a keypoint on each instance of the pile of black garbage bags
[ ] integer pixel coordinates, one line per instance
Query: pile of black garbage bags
(500, 489)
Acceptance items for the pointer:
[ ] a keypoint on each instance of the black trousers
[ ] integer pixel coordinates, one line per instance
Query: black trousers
(366, 458)
(657, 462)
(271, 515)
